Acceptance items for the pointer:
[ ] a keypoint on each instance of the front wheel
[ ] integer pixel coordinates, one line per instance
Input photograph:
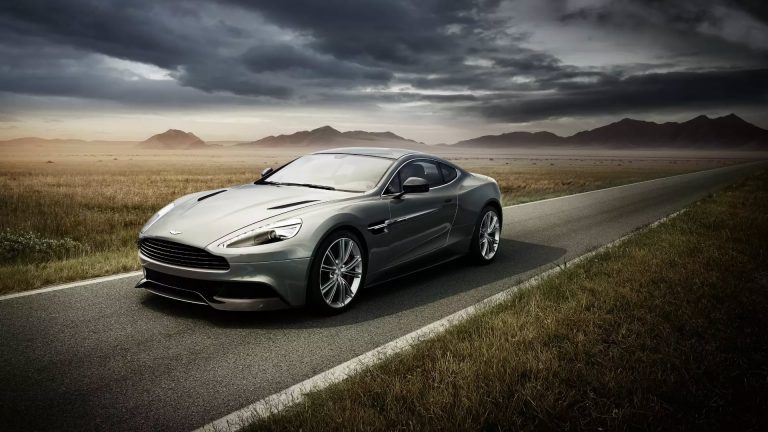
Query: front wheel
(337, 272)
(485, 240)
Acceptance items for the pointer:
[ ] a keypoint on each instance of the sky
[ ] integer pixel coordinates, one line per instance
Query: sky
(431, 70)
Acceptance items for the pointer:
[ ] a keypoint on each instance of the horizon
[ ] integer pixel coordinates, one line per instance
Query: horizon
(434, 72)
(152, 134)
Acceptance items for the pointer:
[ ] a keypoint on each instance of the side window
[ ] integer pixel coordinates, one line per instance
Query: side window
(428, 170)
(449, 172)
(434, 177)
(423, 169)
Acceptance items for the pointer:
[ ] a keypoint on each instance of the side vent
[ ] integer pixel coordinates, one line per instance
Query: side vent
(378, 227)
(293, 204)
(211, 194)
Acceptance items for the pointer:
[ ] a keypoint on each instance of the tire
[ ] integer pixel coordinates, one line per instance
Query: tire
(332, 288)
(485, 240)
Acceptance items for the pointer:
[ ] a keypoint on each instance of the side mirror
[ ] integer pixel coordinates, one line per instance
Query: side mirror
(414, 185)
(266, 172)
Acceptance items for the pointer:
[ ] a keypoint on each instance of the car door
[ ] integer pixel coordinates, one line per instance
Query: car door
(419, 222)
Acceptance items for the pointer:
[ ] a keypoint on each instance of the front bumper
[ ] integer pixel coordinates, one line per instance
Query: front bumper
(244, 287)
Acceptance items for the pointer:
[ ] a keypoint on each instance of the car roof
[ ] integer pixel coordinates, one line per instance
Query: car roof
(389, 153)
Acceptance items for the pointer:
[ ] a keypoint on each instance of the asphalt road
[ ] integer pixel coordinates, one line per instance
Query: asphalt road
(107, 356)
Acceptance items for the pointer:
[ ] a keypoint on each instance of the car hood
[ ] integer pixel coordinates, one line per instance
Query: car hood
(203, 218)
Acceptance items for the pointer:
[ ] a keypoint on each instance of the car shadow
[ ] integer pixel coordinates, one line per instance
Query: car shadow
(457, 277)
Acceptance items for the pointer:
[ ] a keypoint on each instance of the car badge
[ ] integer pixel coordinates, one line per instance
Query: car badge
(174, 232)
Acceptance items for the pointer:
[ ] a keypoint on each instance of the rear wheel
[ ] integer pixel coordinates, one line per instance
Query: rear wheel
(485, 241)
(337, 273)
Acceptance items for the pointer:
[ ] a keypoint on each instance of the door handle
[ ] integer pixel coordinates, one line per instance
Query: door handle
(447, 200)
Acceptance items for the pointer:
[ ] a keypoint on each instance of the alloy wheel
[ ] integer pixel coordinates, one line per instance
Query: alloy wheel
(490, 231)
(341, 272)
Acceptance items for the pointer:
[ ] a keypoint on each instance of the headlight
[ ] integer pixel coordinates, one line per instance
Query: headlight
(157, 216)
(264, 234)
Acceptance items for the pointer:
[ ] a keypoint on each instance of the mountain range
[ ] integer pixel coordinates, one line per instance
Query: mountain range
(327, 136)
(701, 132)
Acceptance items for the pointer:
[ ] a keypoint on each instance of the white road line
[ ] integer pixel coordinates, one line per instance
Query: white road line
(294, 394)
(70, 285)
(625, 185)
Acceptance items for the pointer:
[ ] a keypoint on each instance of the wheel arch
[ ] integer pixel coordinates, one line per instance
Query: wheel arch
(493, 202)
(329, 232)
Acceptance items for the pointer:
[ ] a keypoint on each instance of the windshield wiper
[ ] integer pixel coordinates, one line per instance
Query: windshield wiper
(309, 185)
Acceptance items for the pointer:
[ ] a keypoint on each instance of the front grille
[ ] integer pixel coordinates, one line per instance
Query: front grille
(181, 255)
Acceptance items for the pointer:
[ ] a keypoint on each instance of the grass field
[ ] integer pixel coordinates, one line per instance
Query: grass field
(69, 216)
(664, 332)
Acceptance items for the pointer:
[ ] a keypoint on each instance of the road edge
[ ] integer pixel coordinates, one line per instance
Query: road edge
(294, 394)
(70, 285)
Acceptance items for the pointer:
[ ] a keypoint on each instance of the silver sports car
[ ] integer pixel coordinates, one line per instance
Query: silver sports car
(318, 229)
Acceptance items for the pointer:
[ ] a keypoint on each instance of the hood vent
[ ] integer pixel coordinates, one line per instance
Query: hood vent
(211, 194)
(293, 204)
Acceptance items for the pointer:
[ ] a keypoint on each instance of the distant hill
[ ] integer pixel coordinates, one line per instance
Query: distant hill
(327, 136)
(173, 139)
(514, 139)
(701, 132)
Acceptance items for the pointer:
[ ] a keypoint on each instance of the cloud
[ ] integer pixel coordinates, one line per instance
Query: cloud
(203, 45)
(396, 32)
(741, 22)
(142, 31)
(491, 58)
(633, 94)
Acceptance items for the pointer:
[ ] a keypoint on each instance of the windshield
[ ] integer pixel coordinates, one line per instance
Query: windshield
(353, 173)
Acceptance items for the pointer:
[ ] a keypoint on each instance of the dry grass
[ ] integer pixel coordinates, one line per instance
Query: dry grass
(666, 332)
(101, 206)
(92, 205)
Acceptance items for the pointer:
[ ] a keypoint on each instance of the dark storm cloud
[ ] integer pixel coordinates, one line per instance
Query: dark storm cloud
(641, 93)
(395, 32)
(145, 31)
(204, 46)
(215, 48)
(741, 22)
(464, 55)
(42, 69)
(288, 58)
